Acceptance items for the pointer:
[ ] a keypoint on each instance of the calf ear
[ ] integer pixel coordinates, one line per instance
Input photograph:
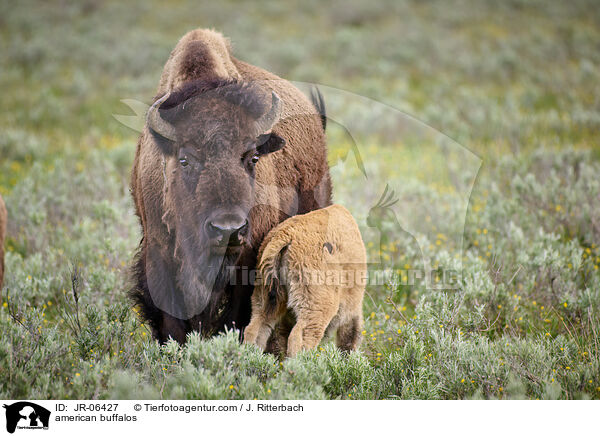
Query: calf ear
(273, 143)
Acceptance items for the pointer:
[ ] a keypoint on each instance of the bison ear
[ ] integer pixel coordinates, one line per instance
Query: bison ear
(273, 143)
(161, 127)
(166, 146)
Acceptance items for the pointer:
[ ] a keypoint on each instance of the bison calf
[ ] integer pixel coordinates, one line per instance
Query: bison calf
(313, 267)
(2, 235)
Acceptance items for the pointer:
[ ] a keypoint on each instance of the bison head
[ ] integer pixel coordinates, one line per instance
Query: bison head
(211, 136)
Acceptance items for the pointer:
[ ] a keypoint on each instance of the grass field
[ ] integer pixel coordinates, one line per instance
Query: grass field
(516, 84)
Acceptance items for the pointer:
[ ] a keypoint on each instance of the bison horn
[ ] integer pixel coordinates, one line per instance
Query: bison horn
(157, 123)
(269, 119)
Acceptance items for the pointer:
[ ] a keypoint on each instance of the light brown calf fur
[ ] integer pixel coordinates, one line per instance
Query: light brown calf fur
(2, 235)
(314, 266)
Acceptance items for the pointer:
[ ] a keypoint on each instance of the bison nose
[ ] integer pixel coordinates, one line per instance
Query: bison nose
(223, 227)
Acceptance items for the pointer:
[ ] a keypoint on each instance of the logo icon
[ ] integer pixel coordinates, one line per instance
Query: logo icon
(26, 415)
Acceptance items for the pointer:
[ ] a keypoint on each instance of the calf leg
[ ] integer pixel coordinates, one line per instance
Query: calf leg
(277, 343)
(294, 343)
(308, 331)
(313, 333)
(259, 330)
(348, 333)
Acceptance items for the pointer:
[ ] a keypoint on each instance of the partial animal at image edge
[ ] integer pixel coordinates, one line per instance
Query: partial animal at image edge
(3, 220)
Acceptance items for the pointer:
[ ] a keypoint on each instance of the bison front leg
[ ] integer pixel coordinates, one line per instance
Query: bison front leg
(171, 327)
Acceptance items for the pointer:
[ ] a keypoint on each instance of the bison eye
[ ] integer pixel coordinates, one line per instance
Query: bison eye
(254, 159)
(184, 161)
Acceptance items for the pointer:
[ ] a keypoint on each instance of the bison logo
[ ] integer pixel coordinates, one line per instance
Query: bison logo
(26, 415)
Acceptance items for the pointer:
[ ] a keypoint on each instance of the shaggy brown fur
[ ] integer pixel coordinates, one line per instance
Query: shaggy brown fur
(314, 266)
(3, 219)
(286, 182)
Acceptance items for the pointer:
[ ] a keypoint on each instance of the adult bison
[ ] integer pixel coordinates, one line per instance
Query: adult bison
(228, 151)
(2, 235)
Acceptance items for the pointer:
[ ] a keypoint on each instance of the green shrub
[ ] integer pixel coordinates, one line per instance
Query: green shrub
(515, 85)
